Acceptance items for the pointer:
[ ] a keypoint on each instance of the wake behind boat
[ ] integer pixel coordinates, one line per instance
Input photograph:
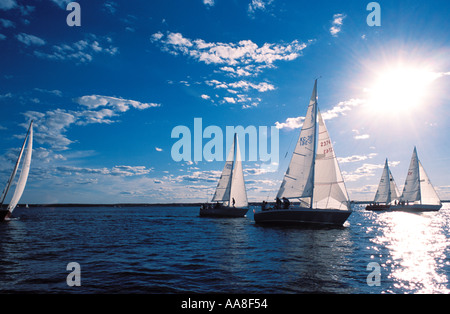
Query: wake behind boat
(5, 213)
(313, 177)
(230, 197)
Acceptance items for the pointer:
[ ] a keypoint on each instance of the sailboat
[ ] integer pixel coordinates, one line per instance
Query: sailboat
(231, 196)
(5, 213)
(313, 177)
(387, 192)
(418, 194)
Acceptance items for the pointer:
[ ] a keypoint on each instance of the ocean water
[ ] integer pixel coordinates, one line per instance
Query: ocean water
(173, 250)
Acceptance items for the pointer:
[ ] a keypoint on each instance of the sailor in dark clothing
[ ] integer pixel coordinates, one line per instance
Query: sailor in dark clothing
(234, 202)
(286, 203)
(263, 205)
(278, 203)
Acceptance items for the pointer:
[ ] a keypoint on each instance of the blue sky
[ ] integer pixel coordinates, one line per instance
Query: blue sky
(106, 96)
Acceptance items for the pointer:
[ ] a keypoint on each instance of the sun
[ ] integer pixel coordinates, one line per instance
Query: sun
(399, 89)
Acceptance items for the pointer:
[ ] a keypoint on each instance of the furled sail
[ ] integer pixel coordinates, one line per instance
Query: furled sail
(298, 180)
(387, 190)
(329, 186)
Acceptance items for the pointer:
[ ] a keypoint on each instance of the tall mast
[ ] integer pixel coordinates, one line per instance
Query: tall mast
(418, 174)
(315, 143)
(232, 168)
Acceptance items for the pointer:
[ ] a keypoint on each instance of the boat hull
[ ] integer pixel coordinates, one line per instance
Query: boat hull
(303, 216)
(377, 208)
(414, 208)
(226, 212)
(4, 213)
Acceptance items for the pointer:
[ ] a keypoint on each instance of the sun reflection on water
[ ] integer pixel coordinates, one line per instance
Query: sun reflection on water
(416, 246)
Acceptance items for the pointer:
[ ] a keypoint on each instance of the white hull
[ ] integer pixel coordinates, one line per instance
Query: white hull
(223, 211)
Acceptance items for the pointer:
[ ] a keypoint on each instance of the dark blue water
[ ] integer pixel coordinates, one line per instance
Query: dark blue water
(172, 250)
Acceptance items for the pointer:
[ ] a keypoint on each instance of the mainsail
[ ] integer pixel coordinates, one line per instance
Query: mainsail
(418, 188)
(314, 172)
(298, 181)
(24, 172)
(231, 186)
(387, 190)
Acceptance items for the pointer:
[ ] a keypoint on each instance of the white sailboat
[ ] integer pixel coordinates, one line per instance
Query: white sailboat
(313, 177)
(418, 194)
(231, 196)
(20, 187)
(387, 192)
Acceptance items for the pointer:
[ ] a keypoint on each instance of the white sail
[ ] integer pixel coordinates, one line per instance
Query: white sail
(24, 172)
(231, 187)
(238, 193)
(411, 190)
(387, 189)
(427, 192)
(329, 186)
(298, 180)
(222, 193)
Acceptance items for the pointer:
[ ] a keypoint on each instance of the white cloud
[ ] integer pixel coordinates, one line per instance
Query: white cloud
(208, 2)
(340, 109)
(125, 171)
(230, 100)
(62, 3)
(6, 23)
(361, 137)
(51, 126)
(242, 58)
(118, 104)
(7, 4)
(206, 97)
(366, 170)
(356, 158)
(82, 51)
(258, 5)
(338, 21)
(158, 149)
(291, 123)
(30, 40)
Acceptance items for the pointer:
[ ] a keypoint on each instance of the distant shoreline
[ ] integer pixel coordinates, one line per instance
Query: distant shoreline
(155, 204)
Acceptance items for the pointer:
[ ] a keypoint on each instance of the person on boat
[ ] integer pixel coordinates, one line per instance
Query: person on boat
(277, 203)
(263, 205)
(286, 203)
(234, 202)
(217, 205)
